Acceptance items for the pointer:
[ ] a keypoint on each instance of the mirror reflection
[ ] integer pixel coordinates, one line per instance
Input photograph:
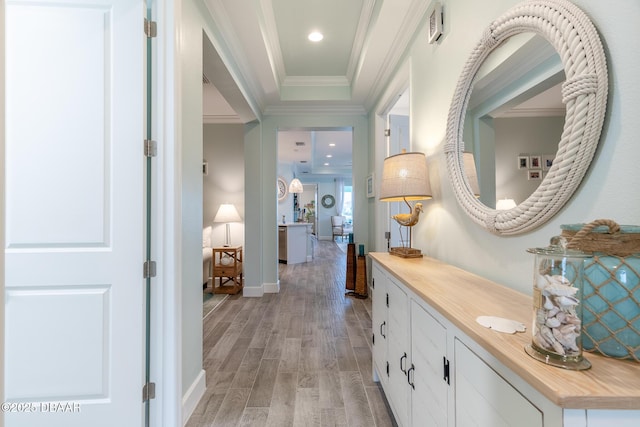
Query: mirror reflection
(515, 118)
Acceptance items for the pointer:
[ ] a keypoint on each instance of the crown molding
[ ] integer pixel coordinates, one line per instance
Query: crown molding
(221, 119)
(295, 81)
(303, 110)
(411, 22)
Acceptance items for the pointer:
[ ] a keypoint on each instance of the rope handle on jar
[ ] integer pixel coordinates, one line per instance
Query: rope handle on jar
(577, 238)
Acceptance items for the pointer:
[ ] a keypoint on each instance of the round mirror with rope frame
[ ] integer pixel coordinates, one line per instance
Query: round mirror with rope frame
(584, 93)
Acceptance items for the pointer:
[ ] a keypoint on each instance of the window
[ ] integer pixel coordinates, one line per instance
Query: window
(347, 206)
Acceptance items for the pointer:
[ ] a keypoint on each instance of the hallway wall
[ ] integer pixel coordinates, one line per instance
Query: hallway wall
(223, 149)
(444, 231)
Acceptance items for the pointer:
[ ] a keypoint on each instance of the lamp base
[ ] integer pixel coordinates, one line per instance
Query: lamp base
(406, 252)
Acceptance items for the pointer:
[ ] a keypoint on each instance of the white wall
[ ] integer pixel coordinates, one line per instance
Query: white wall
(523, 135)
(224, 153)
(608, 190)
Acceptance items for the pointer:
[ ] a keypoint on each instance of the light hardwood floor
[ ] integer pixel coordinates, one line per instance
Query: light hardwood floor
(301, 357)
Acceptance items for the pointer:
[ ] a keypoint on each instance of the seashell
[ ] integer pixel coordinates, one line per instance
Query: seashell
(539, 341)
(552, 322)
(559, 289)
(561, 316)
(542, 342)
(548, 304)
(567, 301)
(545, 332)
(573, 320)
(558, 348)
(553, 312)
(556, 279)
(567, 340)
(567, 329)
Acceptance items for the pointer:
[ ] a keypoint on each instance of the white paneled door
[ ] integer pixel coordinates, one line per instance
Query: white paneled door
(74, 213)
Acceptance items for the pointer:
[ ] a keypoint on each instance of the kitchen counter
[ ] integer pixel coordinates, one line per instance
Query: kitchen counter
(294, 243)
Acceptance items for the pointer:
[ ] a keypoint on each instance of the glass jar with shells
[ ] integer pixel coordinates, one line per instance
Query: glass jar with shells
(556, 333)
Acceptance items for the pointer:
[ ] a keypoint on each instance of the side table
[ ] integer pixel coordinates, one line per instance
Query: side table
(227, 266)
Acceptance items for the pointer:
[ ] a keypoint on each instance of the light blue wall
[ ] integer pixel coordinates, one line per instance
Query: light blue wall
(190, 143)
(445, 232)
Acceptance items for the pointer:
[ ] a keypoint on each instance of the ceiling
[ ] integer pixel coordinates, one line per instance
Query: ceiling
(347, 72)
(284, 73)
(364, 44)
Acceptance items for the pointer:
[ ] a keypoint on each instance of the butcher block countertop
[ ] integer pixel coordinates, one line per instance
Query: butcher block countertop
(461, 297)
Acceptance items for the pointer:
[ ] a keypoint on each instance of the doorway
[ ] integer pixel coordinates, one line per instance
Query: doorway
(321, 157)
(399, 139)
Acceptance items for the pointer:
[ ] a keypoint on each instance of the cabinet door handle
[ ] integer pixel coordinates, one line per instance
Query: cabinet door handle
(383, 324)
(410, 376)
(402, 367)
(446, 368)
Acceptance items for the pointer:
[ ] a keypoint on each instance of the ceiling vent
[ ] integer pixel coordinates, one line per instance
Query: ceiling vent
(300, 144)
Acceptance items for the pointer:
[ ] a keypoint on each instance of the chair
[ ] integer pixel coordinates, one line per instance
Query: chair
(337, 227)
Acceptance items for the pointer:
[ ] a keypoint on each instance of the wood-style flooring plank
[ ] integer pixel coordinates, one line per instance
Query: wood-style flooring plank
(301, 357)
(379, 407)
(263, 387)
(355, 399)
(232, 407)
(281, 411)
(254, 417)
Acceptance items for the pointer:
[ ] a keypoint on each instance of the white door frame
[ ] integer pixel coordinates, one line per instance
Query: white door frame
(166, 312)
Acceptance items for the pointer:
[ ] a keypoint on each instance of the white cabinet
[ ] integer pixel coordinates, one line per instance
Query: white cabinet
(439, 367)
(379, 326)
(398, 351)
(429, 372)
(483, 398)
(390, 326)
(429, 376)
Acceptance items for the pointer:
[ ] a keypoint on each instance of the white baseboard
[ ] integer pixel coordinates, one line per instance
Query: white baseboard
(272, 288)
(253, 291)
(193, 395)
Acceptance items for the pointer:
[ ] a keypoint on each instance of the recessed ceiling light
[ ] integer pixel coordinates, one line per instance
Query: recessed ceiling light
(332, 145)
(329, 156)
(326, 164)
(315, 36)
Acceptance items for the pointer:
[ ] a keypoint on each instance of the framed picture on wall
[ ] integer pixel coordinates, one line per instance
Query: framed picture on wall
(547, 161)
(535, 162)
(369, 186)
(535, 174)
(523, 162)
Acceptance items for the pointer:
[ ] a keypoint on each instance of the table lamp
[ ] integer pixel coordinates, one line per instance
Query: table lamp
(405, 178)
(505, 204)
(227, 213)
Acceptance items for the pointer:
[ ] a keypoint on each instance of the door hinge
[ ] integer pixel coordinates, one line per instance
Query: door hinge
(150, 148)
(150, 28)
(445, 364)
(149, 269)
(387, 132)
(148, 392)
